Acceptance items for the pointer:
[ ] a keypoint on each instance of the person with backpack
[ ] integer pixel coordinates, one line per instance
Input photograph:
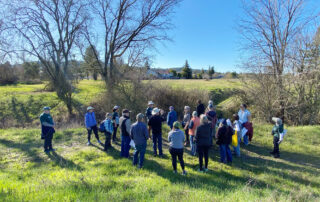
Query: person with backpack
(125, 128)
(91, 124)
(172, 117)
(149, 110)
(200, 108)
(276, 131)
(185, 124)
(139, 135)
(47, 129)
(212, 120)
(155, 125)
(108, 130)
(203, 141)
(115, 120)
(193, 125)
(176, 141)
(224, 138)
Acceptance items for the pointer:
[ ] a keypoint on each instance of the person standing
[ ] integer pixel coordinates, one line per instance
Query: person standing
(200, 108)
(108, 125)
(47, 129)
(176, 139)
(149, 110)
(276, 131)
(202, 139)
(91, 124)
(172, 117)
(193, 125)
(115, 120)
(155, 125)
(244, 119)
(125, 127)
(139, 135)
(212, 120)
(185, 124)
(236, 128)
(224, 138)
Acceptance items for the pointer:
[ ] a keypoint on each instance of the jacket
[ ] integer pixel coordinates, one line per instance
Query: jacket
(139, 133)
(90, 119)
(224, 135)
(194, 123)
(108, 125)
(203, 135)
(125, 125)
(172, 117)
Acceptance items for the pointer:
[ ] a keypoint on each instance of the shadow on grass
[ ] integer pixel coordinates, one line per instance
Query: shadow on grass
(62, 162)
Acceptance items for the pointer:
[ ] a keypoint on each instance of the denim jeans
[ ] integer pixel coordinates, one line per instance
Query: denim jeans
(193, 145)
(157, 140)
(125, 146)
(237, 148)
(140, 149)
(225, 153)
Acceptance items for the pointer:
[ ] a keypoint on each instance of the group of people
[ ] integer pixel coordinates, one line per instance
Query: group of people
(197, 130)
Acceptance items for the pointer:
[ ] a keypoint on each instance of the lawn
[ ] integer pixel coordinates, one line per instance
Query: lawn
(76, 172)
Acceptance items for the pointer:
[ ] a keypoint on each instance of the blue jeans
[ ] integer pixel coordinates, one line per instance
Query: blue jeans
(225, 152)
(125, 146)
(157, 139)
(142, 150)
(245, 138)
(193, 145)
(237, 148)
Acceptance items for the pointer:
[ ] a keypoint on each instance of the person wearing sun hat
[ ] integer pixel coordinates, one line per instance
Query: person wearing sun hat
(155, 124)
(149, 110)
(91, 124)
(115, 119)
(276, 131)
(47, 129)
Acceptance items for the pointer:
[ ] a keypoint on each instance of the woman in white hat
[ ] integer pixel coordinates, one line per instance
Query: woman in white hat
(91, 124)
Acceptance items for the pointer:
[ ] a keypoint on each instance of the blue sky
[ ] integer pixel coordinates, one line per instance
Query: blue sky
(205, 34)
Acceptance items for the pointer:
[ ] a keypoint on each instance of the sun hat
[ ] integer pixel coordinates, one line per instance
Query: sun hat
(187, 107)
(176, 125)
(116, 107)
(108, 114)
(194, 113)
(278, 121)
(150, 103)
(46, 108)
(155, 111)
(89, 108)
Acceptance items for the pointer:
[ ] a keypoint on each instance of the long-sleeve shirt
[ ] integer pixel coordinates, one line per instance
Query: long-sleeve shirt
(90, 119)
(172, 117)
(108, 125)
(244, 116)
(149, 112)
(176, 139)
(277, 129)
(127, 125)
(139, 133)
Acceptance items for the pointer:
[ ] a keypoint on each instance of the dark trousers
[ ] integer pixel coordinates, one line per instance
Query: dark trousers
(186, 132)
(174, 154)
(107, 144)
(203, 151)
(276, 145)
(225, 153)
(115, 133)
(140, 149)
(48, 141)
(125, 146)
(157, 140)
(95, 131)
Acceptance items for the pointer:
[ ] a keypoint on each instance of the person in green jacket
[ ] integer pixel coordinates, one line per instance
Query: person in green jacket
(276, 131)
(47, 129)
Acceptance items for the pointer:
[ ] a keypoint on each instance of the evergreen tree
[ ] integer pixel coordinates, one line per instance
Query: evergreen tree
(186, 71)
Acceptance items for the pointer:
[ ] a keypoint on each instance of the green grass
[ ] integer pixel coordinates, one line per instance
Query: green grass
(77, 172)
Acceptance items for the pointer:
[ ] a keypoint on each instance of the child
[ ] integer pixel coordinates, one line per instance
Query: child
(108, 124)
(276, 131)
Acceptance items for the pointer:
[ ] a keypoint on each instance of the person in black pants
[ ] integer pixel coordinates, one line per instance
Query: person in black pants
(200, 108)
(115, 120)
(202, 138)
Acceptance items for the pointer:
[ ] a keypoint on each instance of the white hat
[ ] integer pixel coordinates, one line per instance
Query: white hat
(187, 107)
(150, 103)
(89, 108)
(155, 111)
(116, 107)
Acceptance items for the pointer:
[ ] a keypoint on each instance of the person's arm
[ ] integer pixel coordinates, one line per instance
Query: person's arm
(86, 121)
(146, 133)
(196, 136)
(217, 133)
(47, 124)
(168, 118)
(191, 124)
(169, 137)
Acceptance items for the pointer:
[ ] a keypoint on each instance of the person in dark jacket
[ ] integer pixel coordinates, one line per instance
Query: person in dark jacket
(202, 138)
(125, 129)
(212, 119)
(172, 117)
(224, 138)
(155, 125)
(200, 108)
(47, 129)
(115, 120)
(91, 124)
(149, 110)
(276, 131)
(139, 135)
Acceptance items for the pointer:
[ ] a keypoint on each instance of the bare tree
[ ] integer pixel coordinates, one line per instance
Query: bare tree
(128, 28)
(47, 30)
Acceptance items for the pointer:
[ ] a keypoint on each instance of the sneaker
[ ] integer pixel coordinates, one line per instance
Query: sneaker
(175, 172)
(200, 170)
(206, 170)
(184, 172)
(52, 150)
(89, 143)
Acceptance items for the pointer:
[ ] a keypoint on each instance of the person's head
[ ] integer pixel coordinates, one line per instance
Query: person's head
(176, 125)
(90, 109)
(277, 121)
(155, 111)
(235, 117)
(108, 115)
(211, 107)
(203, 119)
(243, 107)
(150, 104)
(210, 102)
(186, 109)
(140, 117)
(199, 101)
(194, 114)
(125, 112)
(171, 108)
(115, 108)
(46, 110)
(223, 123)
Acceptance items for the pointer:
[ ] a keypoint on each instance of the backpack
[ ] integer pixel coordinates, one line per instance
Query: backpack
(102, 128)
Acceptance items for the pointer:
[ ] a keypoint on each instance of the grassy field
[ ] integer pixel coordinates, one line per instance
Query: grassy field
(76, 172)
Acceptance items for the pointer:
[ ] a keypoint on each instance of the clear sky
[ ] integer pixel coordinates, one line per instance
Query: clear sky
(205, 34)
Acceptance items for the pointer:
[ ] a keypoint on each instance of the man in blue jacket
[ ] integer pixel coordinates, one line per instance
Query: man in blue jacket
(172, 117)
(91, 124)
(47, 129)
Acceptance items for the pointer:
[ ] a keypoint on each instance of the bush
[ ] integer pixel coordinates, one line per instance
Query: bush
(7, 75)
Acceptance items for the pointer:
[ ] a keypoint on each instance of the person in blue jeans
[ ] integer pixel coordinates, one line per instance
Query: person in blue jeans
(139, 135)
(224, 138)
(155, 124)
(125, 128)
(172, 117)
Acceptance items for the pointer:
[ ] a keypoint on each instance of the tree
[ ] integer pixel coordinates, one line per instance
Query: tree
(211, 72)
(7, 75)
(91, 63)
(129, 28)
(47, 30)
(174, 72)
(31, 70)
(186, 71)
